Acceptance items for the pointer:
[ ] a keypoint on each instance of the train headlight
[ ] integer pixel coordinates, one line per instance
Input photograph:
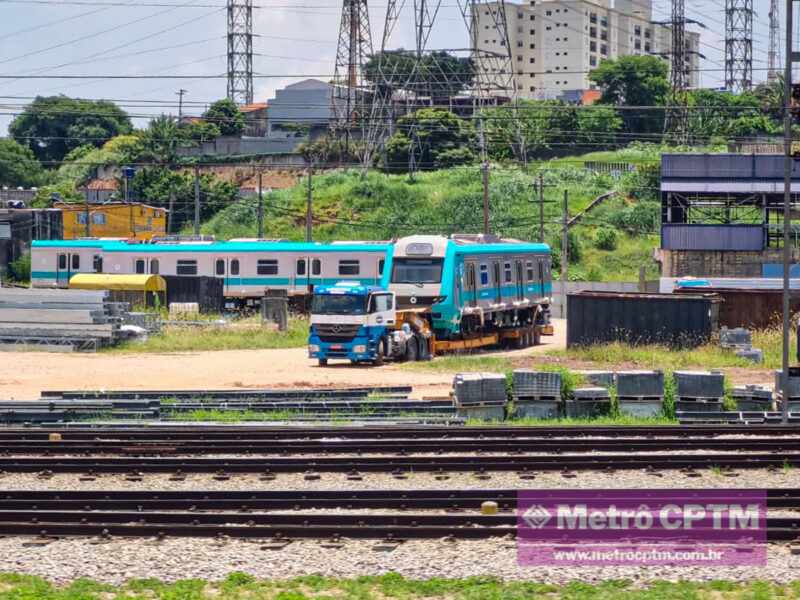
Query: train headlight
(360, 349)
(313, 348)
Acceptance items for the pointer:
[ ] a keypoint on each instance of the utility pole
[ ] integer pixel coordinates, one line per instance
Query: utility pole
(196, 200)
(738, 45)
(564, 253)
(169, 213)
(308, 206)
(180, 94)
(787, 202)
(260, 209)
(541, 209)
(86, 216)
(485, 176)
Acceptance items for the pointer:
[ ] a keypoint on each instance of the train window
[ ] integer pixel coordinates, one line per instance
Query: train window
(97, 264)
(541, 270)
(507, 273)
(484, 275)
(381, 264)
(186, 267)
(219, 267)
(139, 266)
(316, 267)
(529, 269)
(62, 261)
(349, 267)
(235, 266)
(76, 262)
(267, 267)
(301, 266)
(154, 266)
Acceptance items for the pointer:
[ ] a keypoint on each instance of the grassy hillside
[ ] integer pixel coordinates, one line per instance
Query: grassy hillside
(353, 205)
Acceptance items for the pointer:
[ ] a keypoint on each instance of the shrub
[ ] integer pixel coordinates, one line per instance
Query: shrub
(20, 269)
(606, 239)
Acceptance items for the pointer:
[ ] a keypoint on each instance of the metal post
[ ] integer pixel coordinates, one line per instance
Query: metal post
(130, 208)
(485, 176)
(308, 206)
(260, 210)
(86, 214)
(196, 200)
(787, 200)
(169, 213)
(541, 208)
(564, 253)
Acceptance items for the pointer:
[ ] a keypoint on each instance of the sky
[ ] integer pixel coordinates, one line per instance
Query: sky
(294, 40)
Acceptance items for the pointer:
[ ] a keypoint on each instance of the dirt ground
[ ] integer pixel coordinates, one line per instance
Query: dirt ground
(23, 375)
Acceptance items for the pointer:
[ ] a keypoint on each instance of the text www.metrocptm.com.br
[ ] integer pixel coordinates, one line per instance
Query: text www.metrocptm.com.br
(636, 555)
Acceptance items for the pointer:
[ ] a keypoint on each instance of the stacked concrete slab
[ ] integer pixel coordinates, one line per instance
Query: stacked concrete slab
(752, 398)
(640, 393)
(699, 391)
(480, 395)
(63, 320)
(588, 402)
(536, 394)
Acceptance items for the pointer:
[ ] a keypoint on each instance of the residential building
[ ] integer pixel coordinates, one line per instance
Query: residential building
(300, 111)
(556, 43)
(255, 119)
(113, 219)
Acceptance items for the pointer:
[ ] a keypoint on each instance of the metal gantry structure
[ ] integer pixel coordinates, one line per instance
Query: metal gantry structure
(676, 122)
(773, 54)
(421, 78)
(350, 90)
(738, 45)
(240, 51)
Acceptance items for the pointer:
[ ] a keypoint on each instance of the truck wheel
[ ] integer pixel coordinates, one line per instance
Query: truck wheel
(537, 336)
(412, 350)
(322, 362)
(380, 354)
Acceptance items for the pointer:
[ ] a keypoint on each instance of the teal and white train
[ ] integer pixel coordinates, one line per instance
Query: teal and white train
(472, 283)
(249, 267)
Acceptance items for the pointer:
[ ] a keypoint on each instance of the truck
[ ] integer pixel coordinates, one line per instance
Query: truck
(359, 322)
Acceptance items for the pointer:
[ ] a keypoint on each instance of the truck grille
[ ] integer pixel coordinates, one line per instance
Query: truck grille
(336, 332)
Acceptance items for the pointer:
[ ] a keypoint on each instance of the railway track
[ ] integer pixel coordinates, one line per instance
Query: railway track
(243, 514)
(398, 464)
(156, 432)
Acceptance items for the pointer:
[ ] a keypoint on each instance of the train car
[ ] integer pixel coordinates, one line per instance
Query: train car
(473, 284)
(249, 267)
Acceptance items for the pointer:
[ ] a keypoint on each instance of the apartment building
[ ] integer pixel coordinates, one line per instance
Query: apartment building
(555, 43)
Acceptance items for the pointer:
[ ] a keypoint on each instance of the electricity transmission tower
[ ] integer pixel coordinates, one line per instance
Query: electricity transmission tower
(773, 55)
(738, 45)
(423, 77)
(676, 120)
(240, 51)
(354, 49)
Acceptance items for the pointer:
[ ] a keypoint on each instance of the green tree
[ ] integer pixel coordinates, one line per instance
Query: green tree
(52, 126)
(597, 125)
(635, 81)
(445, 140)
(160, 140)
(197, 132)
(18, 165)
(438, 74)
(226, 116)
(158, 183)
(723, 114)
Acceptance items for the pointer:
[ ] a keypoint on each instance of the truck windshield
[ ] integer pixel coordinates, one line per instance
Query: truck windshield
(417, 270)
(339, 305)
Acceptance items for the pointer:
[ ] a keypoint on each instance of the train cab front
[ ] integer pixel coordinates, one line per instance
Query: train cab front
(417, 267)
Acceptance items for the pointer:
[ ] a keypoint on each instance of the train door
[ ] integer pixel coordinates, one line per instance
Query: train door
(221, 270)
(302, 276)
(542, 275)
(520, 282)
(471, 285)
(315, 278)
(67, 264)
(498, 283)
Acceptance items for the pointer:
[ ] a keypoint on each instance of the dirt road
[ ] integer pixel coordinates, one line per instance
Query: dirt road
(24, 375)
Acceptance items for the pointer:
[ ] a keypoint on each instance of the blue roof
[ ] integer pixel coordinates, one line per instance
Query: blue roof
(213, 247)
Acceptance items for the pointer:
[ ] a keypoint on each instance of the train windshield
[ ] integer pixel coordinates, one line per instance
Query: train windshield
(417, 270)
(339, 305)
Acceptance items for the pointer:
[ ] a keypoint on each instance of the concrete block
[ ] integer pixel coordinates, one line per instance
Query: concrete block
(587, 408)
(641, 408)
(482, 413)
(699, 384)
(537, 410)
(640, 384)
